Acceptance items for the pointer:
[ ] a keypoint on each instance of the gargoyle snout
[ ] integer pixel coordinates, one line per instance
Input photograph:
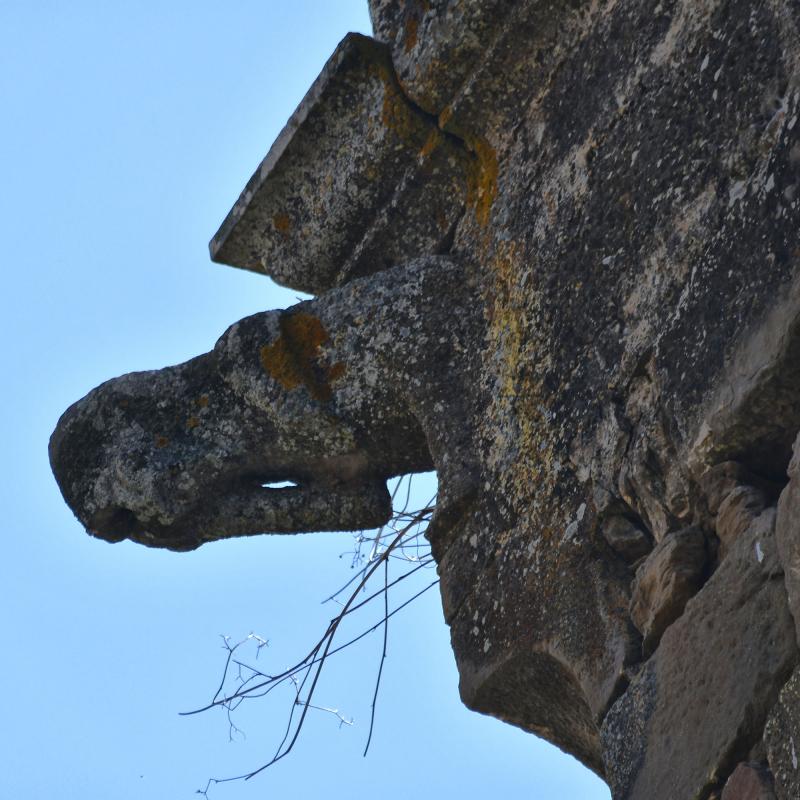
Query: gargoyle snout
(174, 459)
(125, 458)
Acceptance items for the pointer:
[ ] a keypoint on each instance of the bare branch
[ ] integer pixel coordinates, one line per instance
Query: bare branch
(383, 653)
(400, 540)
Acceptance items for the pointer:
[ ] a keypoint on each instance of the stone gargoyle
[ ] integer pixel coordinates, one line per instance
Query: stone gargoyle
(556, 253)
(336, 395)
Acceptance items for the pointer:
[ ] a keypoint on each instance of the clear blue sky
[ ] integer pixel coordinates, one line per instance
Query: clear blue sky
(128, 130)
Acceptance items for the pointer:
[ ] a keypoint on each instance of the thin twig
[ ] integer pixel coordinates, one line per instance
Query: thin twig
(407, 530)
(383, 653)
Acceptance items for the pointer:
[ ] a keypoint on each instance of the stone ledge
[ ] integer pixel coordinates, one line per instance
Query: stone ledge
(356, 165)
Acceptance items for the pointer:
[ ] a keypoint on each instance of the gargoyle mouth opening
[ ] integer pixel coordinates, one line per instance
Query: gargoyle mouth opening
(249, 508)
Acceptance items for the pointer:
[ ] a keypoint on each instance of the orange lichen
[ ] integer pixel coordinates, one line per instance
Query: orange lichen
(294, 358)
(161, 441)
(397, 115)
(282, 223)
(336, 371)
(482, 179)
(444, 117)
(192, 422)
(202, 401)
(431, 143)
(482, 172)
(410, 39)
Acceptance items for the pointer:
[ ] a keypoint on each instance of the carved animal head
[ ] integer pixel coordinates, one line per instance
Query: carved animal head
(179, 456)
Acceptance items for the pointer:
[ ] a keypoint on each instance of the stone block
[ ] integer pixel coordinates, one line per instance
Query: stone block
(721, 479)
(666, 580)
(705, 694)
(626, 538)
(359, 180)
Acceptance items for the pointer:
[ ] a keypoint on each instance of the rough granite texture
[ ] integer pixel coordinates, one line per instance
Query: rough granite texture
(782, 740)
(557, 252)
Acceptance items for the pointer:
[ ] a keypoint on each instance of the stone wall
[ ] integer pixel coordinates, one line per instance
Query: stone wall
(556, 248)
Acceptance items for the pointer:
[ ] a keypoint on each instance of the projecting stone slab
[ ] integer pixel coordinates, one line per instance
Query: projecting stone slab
(357, 181)
(702, 700)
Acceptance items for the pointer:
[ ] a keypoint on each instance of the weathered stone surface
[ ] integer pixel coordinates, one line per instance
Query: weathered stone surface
(735, 498)
(788, 534)
(749, 781)
(626, 318)
(437, 45)
(666, 580)
(782, 737)
(512, 666)
(626, 538)
(701, 702)
(315, 213)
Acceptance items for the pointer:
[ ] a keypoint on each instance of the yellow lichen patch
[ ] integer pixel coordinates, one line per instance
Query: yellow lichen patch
(294, 358)
(161, 441)
(192, 422)
(524, 399)
(482, 179)
(282, 223)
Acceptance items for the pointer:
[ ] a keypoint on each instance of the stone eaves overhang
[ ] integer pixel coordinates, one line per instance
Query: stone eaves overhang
(360, 179)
